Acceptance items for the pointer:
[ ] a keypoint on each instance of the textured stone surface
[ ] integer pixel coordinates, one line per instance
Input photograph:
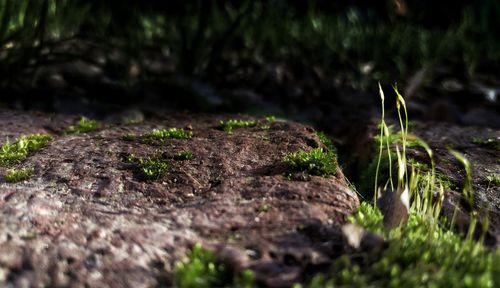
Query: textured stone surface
(86, 219)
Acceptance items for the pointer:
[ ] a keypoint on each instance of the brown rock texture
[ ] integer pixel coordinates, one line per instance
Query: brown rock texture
(87, 219)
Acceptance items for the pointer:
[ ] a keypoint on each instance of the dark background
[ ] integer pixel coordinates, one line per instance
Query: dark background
(313, 61)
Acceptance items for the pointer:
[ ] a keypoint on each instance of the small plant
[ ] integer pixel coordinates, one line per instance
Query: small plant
(18, 175)
(128, 137)
(15, 152)
(315, 162)
(231, 124)
(151, 168)
(491, 142)
(164, 134)
(184, 155)
(264, 208)
(493, 179)
(199, 270)
(85, 125)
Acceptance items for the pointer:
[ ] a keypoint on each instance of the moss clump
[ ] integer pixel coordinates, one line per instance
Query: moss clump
(184, 155)
(164, 134)
(151, 168)
(84, 126)
(421, 254)
(201, 270)
(491, 143)
(231, 124)
(314, 162)
(128, 137)
(15, 152)
(493, 179)
(18, 175)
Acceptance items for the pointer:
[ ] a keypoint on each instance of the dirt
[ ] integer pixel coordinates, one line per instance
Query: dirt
(87, 218)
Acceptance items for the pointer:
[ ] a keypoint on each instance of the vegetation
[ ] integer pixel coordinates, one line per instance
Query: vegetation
(128, 137)
(184, 155)
(231, 124)
(15, 152)
(151, 168)
(490, 142)
(314, 162)
(164, 134)
(18, 175)
(423, 252)
(201, 270)
(84, 126)
(420, 254)
(493, 179)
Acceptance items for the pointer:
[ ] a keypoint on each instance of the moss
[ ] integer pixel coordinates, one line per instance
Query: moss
(184, 155)
(151, 168)
(200, 269)
(128, 137)
(164, 134)
(314, 162)
(231, 124)
(84, 126)
(493, 179)
(18, 175)
(491, 142)
(264, 208)
(15, 152)
(421, 254)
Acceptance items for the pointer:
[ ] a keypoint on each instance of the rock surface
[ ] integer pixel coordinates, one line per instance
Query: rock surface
(85, 218)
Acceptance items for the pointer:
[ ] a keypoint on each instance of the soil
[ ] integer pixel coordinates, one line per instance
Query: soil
(87, 218)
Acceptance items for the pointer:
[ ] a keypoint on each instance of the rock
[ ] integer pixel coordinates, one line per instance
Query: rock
(359, 239)
(85, 218)
(395, 206)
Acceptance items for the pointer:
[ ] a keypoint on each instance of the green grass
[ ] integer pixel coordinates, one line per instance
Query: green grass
(164, 134)
(184, 155)
(314, 162)
(18, 175)
(84, 126)
(15, 152)
(420, 254)
(200, 269)
(231, 124)
(152, 167)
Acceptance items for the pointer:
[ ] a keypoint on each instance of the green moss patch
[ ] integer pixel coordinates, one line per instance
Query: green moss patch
(231, 124)
(184, 155)
(314, 162)
(164, 134)
(84, 126)
(201, 270)
(152, 167)
(491, 143)
(421, 254)
(18, 175)
(15, 152)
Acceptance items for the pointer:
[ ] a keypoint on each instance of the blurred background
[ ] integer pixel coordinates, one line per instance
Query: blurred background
(313, 61)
